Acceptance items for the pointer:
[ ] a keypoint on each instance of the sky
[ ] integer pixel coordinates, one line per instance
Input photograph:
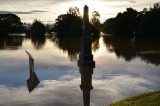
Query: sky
(48, 10)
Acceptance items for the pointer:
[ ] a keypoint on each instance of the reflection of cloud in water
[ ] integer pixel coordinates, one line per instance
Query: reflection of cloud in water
(59, 93)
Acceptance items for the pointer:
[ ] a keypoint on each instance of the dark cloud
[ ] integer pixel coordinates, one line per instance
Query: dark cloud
(19, 12)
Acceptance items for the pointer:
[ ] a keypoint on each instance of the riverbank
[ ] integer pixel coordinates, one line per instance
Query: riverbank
(144, 99)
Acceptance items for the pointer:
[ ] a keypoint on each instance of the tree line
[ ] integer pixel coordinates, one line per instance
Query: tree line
(133, 23)
(130, 23)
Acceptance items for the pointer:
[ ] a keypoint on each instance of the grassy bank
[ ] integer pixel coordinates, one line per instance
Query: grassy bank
(145, 99)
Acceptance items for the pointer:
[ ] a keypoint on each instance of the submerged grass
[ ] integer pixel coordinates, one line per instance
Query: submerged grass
(145, 99)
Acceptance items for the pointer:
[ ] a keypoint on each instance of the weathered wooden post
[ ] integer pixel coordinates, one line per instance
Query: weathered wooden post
(85, 62)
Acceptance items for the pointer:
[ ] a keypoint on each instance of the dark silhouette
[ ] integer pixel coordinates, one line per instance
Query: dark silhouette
(133, 23)
(70, 24)
(38, 28)
(124, 24)
(11, 42)
(147, 49)
(71, 45)
(33, 80)
(37, 34)
(86, 63)
(38, 41)
(10, 23)
(95, 20)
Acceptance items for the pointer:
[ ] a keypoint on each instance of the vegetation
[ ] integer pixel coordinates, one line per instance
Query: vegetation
(38, 28)
(10, 23)
(133, 23)
(70, 24)
(146, 99)
(147, 49)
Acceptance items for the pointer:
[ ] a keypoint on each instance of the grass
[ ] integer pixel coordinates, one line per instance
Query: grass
(145, 99)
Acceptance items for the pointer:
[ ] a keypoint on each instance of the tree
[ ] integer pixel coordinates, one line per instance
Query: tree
(155, 7)
(74, 11)
(95, 19)
(10, 23)
(38, 28)
(70, 24)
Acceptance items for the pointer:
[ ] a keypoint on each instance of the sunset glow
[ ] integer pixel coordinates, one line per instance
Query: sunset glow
(48, 10)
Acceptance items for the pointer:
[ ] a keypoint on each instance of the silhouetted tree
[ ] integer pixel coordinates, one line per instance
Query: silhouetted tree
(70, 24)
(74, 11)
(38, 28)
(123, 48)
(132, 23)
(155, 7)
(95, 19)
(10, 23)
(124, 24)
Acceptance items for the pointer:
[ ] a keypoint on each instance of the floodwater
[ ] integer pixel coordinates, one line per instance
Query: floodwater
(122, 69)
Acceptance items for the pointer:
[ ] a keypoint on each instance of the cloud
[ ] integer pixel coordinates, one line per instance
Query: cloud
(20, 12)
(134, 2)
(60, 92)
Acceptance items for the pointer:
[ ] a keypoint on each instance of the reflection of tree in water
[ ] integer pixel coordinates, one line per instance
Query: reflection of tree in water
(147, 49)
(121, 47)
(11, 42)
(150, 49)
(71, 45)
(37, 36)
(151, 58)
(38, 41)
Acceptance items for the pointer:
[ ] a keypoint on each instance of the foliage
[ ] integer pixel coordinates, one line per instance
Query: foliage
(146, 49)
(74, 11)
(146, 99)
(133, 23)
(123, 25)
(38, 28)
(10, 23)
(95, 19)
(70, 24)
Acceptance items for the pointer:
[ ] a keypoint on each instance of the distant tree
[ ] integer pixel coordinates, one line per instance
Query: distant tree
(38, 28)
(124, 24)
(95, 19)
(145, 10)
(133, 23)
(11, 23)
(155, 7)
(74, 11)
(70, 24)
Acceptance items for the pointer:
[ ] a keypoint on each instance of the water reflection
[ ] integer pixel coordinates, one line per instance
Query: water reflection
(147, 49)
(113, 78)
(71, 45)
(86, 63)
(38, 40)
(11, 42)
(15, 42)
(33, 80)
